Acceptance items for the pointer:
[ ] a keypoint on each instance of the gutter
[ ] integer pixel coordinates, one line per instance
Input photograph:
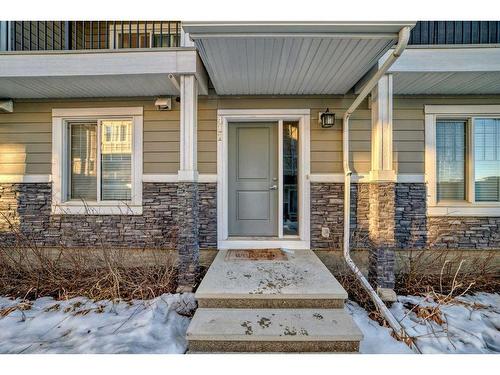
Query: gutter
(404, 35)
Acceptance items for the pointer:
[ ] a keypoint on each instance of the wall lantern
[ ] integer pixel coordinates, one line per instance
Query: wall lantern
(327, 119)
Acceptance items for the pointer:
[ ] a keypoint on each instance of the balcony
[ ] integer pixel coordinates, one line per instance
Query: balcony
(63, 59)
(88, 35)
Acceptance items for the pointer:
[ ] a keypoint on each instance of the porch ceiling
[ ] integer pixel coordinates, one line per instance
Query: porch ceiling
(290, 58)
(74, 74)
(447, 71)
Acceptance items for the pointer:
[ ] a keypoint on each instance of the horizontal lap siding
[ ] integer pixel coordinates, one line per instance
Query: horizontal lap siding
(161, 139)
(326, 144)
(26, 135)
(26, 140)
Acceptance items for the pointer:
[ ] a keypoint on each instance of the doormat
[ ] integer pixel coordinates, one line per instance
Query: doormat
(256, 254)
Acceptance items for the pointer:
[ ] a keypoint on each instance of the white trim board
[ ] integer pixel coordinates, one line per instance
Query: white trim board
(146, 177)
(435, 59)
(127, 62)
(25, 178)
(170, 177)
(471, 110)
(362, 178)
(251, 115)
(212, 178)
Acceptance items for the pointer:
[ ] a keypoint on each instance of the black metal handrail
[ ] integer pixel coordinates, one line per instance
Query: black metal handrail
(84, 35)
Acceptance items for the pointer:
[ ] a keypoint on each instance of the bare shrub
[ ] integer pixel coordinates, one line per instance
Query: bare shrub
(448, 272)
(102, 272)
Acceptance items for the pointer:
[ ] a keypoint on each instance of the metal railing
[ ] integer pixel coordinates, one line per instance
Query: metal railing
(84, 35)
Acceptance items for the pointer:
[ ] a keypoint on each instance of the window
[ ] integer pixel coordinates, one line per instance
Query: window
(450, 148)
(487, 160)
(290, 177)
(100, 168)
(463, 160)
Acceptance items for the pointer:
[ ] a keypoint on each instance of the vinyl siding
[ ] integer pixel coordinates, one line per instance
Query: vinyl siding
(26, 135)
(326, 144)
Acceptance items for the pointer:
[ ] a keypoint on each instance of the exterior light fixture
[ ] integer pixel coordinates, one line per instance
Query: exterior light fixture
(327, 119)
(163, 104)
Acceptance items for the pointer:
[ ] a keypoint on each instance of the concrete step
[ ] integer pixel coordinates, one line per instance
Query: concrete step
(272, 330)
(297, 280)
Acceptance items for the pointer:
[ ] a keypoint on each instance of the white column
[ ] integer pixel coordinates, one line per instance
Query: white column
(381, 102)
(189, 124)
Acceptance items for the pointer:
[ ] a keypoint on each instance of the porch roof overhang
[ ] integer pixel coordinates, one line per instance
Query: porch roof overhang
(447, 70)
(106, 73)
(290, 58)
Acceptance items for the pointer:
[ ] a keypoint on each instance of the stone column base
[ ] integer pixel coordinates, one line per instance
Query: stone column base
(187, 237)
(382, 210)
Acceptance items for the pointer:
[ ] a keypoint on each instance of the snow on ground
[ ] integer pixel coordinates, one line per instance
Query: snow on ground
(80, 325)
(377, 339)
(470, 324)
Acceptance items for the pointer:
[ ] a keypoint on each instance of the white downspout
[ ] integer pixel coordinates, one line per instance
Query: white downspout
(404, 35)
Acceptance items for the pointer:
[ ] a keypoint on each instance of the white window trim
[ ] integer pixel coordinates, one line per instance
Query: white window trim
(302, 241)
(468, 207)
(60, 159)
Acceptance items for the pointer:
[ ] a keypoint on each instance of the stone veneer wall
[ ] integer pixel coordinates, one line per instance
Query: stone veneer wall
(28, 207)
(188, 248)
(207, 221)
(413, 229)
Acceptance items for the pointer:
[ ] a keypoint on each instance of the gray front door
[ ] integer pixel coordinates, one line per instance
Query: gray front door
(253, 179)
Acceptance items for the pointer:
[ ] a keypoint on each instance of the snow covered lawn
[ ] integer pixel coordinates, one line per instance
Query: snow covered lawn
(83, 326)
(469, 324)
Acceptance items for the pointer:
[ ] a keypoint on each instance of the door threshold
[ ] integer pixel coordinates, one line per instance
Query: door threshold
(263, 243)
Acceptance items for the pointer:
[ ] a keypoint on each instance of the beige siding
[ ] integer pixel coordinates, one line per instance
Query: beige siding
(25, 135)
(326, 144)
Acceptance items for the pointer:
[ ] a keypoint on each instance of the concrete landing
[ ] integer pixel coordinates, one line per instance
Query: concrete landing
(299, 281)
(273, 330)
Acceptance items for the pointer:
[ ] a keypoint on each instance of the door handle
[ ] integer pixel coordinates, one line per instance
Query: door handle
(274, 187)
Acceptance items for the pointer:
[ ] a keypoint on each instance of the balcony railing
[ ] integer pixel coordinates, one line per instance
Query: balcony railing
(85, 35)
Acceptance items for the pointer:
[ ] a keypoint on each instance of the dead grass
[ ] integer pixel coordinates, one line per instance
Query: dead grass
(28, 271)
(98, 274)
(433, 274)
(448, 273)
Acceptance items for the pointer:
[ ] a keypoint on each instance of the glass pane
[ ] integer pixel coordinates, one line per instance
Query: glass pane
(487, 160)
(290, 178)
(116, 160)
(83, 176)
(450, 149)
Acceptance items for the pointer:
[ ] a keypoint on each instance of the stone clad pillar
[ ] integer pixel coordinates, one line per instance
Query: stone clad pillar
(187, 186)
(382, 188)
(382, 234)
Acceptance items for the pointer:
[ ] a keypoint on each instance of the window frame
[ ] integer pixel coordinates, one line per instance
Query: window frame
(469, 206)
(61, 164)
